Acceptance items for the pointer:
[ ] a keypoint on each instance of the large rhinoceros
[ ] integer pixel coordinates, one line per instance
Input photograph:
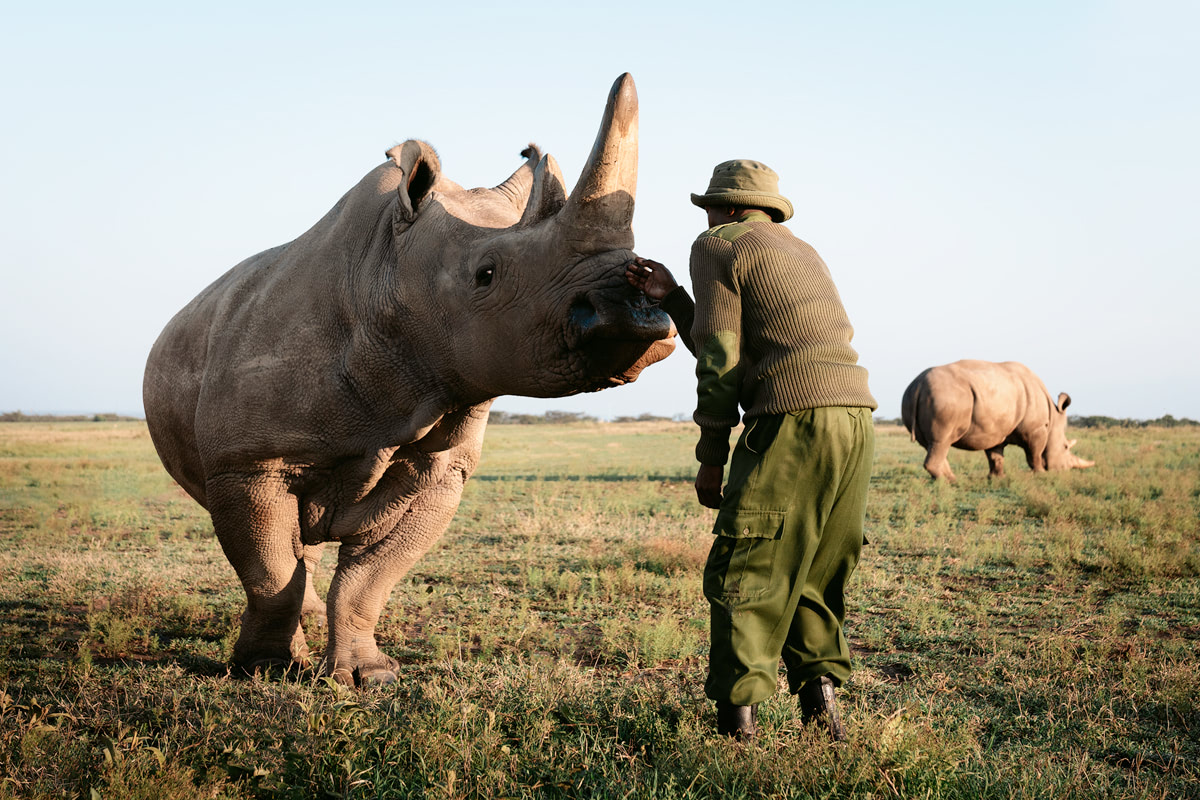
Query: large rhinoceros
(982, 405)
(336, 388)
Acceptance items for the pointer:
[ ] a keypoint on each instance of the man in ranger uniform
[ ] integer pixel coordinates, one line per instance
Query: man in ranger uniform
(769, 333)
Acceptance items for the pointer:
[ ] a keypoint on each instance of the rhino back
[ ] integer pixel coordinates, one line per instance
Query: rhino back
(267, 364)
(972, 404)
(184, 359)
(1005, 401)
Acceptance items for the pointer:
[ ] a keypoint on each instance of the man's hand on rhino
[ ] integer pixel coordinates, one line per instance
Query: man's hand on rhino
(650, 277)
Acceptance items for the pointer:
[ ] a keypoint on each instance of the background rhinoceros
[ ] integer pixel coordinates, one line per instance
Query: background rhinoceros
(336, 388)
(982, 405)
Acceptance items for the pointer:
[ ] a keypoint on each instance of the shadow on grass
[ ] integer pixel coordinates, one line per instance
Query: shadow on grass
(33, 632)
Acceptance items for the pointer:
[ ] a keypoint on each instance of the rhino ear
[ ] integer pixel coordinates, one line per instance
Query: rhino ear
(1064, 400)
(421, 168)
(548, 195)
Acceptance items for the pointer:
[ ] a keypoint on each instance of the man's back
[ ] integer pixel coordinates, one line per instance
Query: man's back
(778, 297)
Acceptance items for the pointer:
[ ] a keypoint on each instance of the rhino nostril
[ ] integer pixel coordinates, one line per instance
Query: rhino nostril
(583, 314)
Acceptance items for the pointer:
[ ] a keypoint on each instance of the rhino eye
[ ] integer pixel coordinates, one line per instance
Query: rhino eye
(484, 275)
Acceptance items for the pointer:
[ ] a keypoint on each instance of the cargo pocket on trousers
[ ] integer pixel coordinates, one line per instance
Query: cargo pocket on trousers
(742, 561)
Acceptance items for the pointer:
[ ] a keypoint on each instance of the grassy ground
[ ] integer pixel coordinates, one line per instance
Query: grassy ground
(1031, 637)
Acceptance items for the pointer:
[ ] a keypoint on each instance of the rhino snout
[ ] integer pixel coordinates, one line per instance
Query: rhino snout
(619, 334)
(605, 317)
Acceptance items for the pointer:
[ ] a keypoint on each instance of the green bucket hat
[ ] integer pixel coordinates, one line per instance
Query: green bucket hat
(745, 183)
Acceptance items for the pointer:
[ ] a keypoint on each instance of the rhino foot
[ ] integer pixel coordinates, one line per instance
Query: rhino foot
(260, 648)
(278, 666)
(374, 677)
(377, 671)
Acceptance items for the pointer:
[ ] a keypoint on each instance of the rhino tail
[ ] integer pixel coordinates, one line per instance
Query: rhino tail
(910, 405)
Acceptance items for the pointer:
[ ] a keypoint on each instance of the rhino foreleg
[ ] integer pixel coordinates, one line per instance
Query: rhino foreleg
(256, 521)
(1035, 451)
(366, 574)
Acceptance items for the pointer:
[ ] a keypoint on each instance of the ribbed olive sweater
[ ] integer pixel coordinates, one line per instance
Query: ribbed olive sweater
(772, 333)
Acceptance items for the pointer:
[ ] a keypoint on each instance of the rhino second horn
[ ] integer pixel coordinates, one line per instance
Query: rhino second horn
(548, 194)
(517, 188)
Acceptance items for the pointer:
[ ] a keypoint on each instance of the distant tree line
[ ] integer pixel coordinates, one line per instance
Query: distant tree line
(549, 418)
(1165, 421)
(20, 416)
(563, 417)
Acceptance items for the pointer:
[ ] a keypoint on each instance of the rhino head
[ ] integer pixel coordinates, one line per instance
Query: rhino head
(519, 288)
(1058, 453)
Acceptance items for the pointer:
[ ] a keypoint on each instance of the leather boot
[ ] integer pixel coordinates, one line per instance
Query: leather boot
(740, 722)
(817, 705)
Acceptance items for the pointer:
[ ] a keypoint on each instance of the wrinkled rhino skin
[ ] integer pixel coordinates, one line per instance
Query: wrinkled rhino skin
(983, 405)
(336, 388)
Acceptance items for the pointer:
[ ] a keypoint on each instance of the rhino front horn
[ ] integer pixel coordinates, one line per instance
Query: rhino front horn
(602, 202)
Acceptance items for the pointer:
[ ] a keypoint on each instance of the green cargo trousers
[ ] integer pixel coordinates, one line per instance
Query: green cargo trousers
(788, 536)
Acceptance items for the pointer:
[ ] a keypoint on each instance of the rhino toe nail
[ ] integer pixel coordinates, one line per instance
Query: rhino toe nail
(376, 678)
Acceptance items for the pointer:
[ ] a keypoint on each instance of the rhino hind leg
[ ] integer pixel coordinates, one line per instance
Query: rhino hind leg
(366, 573)
(936, 463)
(256, 521)
(995, 457)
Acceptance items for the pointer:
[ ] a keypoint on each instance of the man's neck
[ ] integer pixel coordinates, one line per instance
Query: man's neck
(752, 215)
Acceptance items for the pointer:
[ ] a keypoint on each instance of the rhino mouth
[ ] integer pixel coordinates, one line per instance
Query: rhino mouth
(618, 332)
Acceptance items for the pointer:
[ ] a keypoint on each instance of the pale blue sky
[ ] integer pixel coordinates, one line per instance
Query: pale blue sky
(1000, 181)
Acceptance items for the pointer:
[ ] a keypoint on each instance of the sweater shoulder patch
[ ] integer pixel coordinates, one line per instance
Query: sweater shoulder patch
(729, 232)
